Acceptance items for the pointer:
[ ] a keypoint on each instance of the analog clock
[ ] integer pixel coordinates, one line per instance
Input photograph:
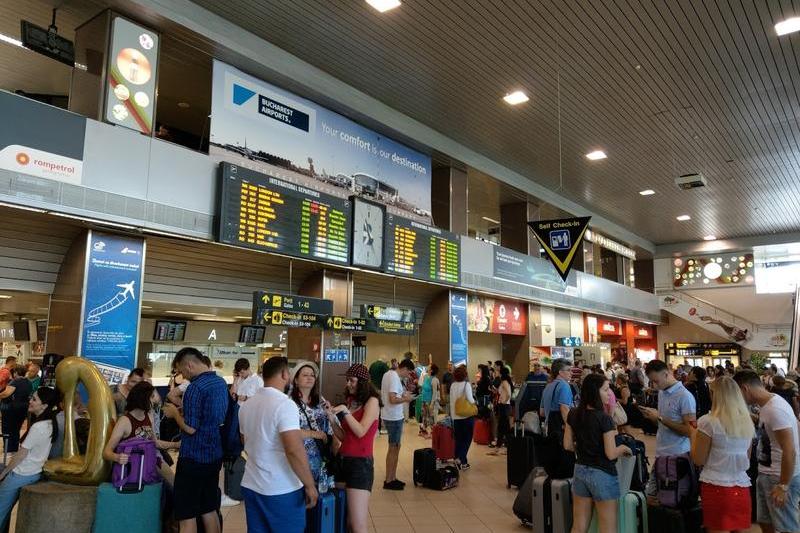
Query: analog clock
(368, 222)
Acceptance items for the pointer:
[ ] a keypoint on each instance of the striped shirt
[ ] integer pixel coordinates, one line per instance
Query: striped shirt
(205, 404)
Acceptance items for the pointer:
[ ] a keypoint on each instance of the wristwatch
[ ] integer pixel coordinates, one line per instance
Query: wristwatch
(341, 414)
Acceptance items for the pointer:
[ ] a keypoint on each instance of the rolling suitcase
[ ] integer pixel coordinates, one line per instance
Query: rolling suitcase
(483, 431)
(561, 504)
(665, 520)
(542, 505)
(341, 510)
(443, 442)
(641, 471)
(633, 513)
(443, 478)
(523, 503)
(521, 457)
(322, 518)
(424, 465)
(113, 504)
(234, 471)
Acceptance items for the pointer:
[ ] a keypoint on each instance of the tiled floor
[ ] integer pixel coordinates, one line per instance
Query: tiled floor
(481, 502)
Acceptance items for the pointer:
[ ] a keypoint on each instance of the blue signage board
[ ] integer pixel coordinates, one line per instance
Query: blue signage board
(458, 328)
(109, 332)
(337, 355)
(570, 341)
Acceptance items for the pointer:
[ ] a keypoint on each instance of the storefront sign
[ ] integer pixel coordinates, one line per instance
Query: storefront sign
(609, 327)
(643, 332)
(458, 328)
(561, 240)
(490, 315)
(260, 126)
(263, 301)
(388, 313)
(569, 341)
(132, 68)
(608, 244)
(110, 322)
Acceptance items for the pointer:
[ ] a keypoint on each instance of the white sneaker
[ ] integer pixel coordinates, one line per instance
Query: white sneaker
(227, 501)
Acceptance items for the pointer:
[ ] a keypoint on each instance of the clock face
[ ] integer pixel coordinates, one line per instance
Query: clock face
(368, 220)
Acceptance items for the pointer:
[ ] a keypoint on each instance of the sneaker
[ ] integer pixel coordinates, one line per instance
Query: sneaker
(383, 432)
(227, 501)
(394, 485)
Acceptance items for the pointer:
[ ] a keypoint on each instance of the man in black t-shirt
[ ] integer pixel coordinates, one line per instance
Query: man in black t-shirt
(15, 399)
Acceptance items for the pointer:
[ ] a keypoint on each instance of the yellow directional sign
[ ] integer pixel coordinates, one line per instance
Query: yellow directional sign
(337, 322)
(276, 300)
(277, 317)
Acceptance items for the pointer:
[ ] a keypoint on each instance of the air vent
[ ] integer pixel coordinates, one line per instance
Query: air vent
(690, 181)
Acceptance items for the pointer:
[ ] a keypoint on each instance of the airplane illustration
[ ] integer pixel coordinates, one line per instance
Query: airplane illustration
(93, 317)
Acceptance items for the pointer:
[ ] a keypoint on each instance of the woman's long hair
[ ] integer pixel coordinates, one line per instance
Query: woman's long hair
(364, 391)
(50, 398)
(590, 393)
(728, 406)
(313, 396)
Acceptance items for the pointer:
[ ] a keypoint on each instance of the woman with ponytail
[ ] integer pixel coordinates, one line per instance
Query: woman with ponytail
(25, 467)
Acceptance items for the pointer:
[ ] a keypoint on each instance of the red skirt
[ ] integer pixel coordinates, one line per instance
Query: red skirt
(726, 508)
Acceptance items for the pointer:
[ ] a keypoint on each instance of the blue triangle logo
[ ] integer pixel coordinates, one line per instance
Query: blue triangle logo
(241, 94)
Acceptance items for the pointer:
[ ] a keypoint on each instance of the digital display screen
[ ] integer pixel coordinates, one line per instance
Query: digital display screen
(168, 330)
(252, 334)
(421, 251)
(266, 213)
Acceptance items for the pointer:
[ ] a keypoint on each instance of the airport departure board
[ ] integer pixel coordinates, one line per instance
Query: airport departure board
(265, 213)
(421, 251)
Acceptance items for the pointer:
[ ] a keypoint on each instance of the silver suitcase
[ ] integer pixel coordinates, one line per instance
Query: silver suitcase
(561, 496)
(552, 505)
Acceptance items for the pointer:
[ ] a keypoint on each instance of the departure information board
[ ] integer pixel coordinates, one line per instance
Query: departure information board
(421, 251)
(266, 213)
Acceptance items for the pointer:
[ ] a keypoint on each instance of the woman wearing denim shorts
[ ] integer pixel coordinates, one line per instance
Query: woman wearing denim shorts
(590, 434)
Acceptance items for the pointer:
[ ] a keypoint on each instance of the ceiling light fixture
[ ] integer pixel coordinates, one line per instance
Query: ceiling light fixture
(493, 221)
(189, 313)
(710, 238)
(243, 317)
(384, 5)
(515, 98)
(5, 296)
(183, 105)
(683, 218)
(788, 26)
(647, 192)
(10, 40)
(597, 154)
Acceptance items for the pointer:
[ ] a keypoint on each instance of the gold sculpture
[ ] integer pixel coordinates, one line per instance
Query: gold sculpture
(72, 468)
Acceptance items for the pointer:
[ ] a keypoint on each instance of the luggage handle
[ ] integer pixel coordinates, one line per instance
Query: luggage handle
(121, 489)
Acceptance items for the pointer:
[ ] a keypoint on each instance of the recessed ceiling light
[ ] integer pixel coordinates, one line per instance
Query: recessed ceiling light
(5, 296)
(597, 154)
(147, 307)
(493, 221)
(10, 40)
(184, 105)
(710, 238)
(683, 218)
(384, 5)
(788, 26)
(517, 97)
(647, 192)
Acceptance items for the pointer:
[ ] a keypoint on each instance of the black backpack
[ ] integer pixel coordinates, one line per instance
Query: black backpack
(232, 446)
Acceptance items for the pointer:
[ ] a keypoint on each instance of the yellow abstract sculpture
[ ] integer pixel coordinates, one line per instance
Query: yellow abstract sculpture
(89, 469)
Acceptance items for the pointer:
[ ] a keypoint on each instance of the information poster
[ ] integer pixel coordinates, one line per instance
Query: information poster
(490, 315)
(458, 328)
(265, 213)
(422, 251)
(109, 332)
(521, 268)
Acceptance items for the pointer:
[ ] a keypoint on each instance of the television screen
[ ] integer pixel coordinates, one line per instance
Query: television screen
(252, 334)
(41, 330)
(169, 330)
(21, 331)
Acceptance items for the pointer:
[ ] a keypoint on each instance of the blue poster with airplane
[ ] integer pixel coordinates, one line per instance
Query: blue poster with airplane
(111, 303)
(458, 328)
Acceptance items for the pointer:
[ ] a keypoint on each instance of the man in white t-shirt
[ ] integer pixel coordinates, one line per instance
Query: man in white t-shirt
(393, 396)
(277, 485)
(778, 482)
(246, 382)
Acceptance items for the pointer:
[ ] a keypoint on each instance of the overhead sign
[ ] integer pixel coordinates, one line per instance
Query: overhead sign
(491, 315)
(260, 126)
(289, 302)
(288, 319)
(458, 328)
(609, 327)
(274, 215)
(522, 268)
(132, 67)
(394, 326)
(341, 323)
(570, 342)
(422, 251)
(560, 239)
(369, 325)
(609, 244)
(388, 313)
(112, 290)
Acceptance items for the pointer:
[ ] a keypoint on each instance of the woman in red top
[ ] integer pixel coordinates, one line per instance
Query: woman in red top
(358, 424)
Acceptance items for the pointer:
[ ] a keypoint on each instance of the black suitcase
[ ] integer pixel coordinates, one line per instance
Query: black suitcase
(443, 478)
(666, 520)
(234, 471)
(424, 465)
(523, 504)
(521, 457)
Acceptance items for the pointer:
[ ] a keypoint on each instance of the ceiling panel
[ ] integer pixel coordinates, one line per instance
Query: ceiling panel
(664, 87)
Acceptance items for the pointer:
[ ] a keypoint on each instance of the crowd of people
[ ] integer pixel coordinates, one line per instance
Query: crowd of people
(299, 445)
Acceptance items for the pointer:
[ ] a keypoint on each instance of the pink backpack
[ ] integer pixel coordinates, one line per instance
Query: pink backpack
(142, 468)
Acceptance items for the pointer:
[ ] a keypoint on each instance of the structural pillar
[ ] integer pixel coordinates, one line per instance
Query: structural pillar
(449, 199)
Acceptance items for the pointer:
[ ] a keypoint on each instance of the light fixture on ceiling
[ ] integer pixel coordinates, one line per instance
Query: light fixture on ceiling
(683, 218)
(647, 192)
(243, 317)
(384, 5)
(710, 238)
(147, 307)
(189, 313)
(712, 270)
(5, 296)
(788, 26)
(516, 98)
(493, 221)
(10, 40)
(596, 155)
(184, 105)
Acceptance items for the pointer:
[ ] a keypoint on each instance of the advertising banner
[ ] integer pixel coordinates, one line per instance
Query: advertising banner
(561, 239)
(458, 328)
(54, 151)
(522, 268)
(111, 304)
(490, 315)
(259, 126)
(131, 84)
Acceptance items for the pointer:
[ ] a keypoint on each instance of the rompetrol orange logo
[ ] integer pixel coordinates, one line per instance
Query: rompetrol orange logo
(23, 158)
